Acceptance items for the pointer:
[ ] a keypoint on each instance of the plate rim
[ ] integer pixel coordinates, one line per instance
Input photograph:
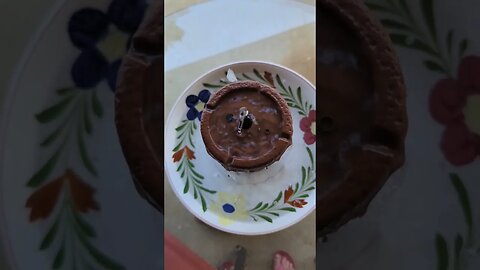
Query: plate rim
(167, 152)
(5, 116)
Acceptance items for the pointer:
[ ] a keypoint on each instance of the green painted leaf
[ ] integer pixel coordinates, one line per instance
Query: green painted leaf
(265, 206)
(247, 77)
(48, 239)
(54, 111)
(64, 91)
(182, 126)
(458, 251)
(290, 92)
(310, 188)
(207, 190)
(53, 136)
(180, 166)
(96, 105)
(257, 206)
(303, 175)
(414, 43)
(181, 134)
(204, 203)
(99, 257)
(310, 155)
(442, 252)
(392, 24)
(208, 85)
(302, 196)
(41, 175)
(463, 47)
(258, 75)
(273, 214)
(265, 218)
(279, 196)
(289, 209)
(187, 185)
(434, 66)
(84, 227)
(195, 196)
(279, 81)
(86, 119)
(59, 258)
(197, 174)
(177, 147)
(191, 141)
(428, 14)
(296, 188)
(288, 99)
(84, 154)
(299, 95)
(450, 42)
(463, 199)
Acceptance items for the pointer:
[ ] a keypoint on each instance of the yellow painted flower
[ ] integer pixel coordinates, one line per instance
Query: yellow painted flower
(230, 207)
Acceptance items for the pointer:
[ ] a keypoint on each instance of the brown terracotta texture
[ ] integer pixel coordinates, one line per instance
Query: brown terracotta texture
(363, 168)
(139, 108)
(268, 155)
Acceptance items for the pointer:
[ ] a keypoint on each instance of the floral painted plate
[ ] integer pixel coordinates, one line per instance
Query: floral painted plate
(66, 196)
(243, 203)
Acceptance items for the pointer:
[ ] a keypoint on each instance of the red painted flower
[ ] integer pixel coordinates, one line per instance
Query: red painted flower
(43, 200)
(177, 156)
(299, 203)
(455, 103)
(81, 192)
(308, 126)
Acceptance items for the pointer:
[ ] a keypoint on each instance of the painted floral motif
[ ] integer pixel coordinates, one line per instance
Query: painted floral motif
(287, 198)
(196, 104)
(64, 201)
(455, 103)
(74, 197)
(179, 154)
(453, 100)
(184, 155)
(464, 248)
(230, 207)
(308, 126)
(103, 38)
(43, 200)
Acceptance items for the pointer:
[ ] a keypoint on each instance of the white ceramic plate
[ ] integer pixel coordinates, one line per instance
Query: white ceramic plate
(244, 203)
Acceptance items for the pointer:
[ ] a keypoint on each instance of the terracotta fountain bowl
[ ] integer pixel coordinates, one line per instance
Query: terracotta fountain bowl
(139, 108)
(361, 112)
(259, 142)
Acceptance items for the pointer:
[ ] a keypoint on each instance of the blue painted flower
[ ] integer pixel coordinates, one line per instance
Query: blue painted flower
(230, 208)
(196, 104)
(103, 38)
